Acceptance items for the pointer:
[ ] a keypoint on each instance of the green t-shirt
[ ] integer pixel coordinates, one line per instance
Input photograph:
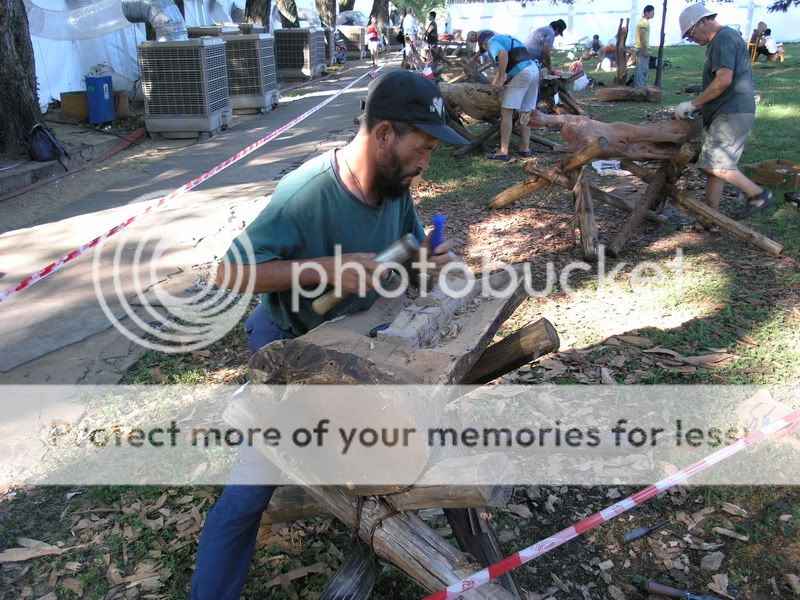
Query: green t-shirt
(728, 50)
(309, 214)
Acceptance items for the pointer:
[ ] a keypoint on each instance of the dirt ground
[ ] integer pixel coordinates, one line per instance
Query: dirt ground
(736, 542)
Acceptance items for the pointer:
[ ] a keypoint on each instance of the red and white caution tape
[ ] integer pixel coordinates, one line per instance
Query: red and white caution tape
(67, 258)
(562, 537)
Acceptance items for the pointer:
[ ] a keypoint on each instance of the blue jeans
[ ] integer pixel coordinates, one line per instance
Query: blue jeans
(229, 535)
(642, 68)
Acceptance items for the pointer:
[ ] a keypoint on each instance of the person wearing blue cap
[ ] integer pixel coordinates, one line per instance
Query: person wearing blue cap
(356, 196)
(517, 81)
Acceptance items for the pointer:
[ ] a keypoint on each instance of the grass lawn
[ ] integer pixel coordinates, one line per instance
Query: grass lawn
(729, 297)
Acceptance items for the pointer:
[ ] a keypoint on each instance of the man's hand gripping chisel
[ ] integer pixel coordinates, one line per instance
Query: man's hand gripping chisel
(399, 252)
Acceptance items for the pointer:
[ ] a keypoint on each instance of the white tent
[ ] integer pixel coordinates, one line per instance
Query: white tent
(68, 42)
(588, 17)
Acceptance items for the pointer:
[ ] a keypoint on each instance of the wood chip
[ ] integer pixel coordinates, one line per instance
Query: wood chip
(665, 351)
(73, 585)
(794, 583)
(731, 534)
(606, 377)
(720, 585)
(297, 573)
(520, 510)
(615, 593)
(712, 562)
(29, 549)
(732, 509)
(716, 360)
(636, 340)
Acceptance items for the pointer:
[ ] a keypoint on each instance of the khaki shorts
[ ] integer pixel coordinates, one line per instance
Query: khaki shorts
(522, 92)
(723, 141)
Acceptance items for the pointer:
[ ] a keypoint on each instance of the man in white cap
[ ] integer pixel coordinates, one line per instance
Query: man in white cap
(727, 106)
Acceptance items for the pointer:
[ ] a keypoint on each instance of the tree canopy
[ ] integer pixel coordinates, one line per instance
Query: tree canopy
(782, 5)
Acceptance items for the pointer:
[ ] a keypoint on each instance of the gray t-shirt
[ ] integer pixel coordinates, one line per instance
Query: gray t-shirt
(537, 40)
(728, 50)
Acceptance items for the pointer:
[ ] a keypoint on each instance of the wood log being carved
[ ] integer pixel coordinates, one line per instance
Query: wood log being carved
(659, 140)
(628, 94)
(479, 101)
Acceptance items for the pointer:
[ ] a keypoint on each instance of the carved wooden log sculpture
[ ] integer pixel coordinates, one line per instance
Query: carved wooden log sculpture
(660, 140)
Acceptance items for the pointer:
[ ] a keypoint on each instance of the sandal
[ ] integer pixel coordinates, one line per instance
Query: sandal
(525, 154)
(497, 156)
(756, 204)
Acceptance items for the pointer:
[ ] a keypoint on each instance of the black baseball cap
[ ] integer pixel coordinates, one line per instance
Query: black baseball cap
(408, 97)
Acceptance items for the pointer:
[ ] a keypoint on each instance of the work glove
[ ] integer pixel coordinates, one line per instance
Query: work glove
(684, 110)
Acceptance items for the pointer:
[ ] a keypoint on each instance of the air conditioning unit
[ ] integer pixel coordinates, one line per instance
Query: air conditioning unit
(252, 83)
(185, 87)
(212, 31)
(356, 40)
(251, 28)
(299, 53)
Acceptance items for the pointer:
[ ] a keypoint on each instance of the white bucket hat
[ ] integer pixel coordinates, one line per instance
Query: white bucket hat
(691, 15)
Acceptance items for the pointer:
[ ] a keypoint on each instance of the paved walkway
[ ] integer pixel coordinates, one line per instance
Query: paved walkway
(56, 331)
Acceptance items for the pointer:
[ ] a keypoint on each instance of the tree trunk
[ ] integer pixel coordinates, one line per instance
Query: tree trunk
(380, 10)
(327, 12)
(288, 10)
(257, 11)
(346, 5)
(620, 53)
(19, 103)
(659, 67)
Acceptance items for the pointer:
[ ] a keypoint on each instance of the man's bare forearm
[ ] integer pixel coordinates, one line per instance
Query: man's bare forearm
(721, 82)
(270, 276)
